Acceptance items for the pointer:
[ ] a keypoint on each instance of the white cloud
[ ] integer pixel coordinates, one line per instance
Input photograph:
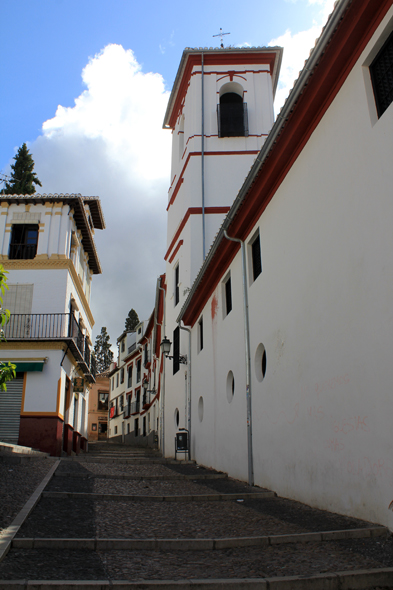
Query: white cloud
(296, 50)
(111, 144)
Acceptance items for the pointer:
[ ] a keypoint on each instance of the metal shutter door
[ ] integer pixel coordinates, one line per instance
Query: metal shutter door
(10, 406)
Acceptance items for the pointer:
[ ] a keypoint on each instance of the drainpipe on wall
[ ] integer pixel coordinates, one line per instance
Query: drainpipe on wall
(203, 157)
(248, 359)
(188, 401)
(162, 396)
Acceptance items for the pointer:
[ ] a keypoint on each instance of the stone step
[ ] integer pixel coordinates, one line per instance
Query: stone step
(173, 498)
(11, 449)
(175, 477)
(195, 544)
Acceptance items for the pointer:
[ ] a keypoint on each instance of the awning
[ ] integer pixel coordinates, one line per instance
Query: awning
(26, 365)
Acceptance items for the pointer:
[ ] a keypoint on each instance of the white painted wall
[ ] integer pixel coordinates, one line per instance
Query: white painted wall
(224, 174)
(322, 308)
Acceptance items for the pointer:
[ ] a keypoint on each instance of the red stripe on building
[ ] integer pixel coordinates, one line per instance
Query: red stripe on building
(194, 211)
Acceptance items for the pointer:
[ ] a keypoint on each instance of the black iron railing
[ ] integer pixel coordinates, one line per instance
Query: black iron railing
(22, 251)
(135, 409)
(50, 326)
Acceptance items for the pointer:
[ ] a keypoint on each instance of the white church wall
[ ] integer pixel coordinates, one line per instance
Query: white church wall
(322, 309)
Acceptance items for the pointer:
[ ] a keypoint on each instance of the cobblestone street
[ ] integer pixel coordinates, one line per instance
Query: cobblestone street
(124, 515)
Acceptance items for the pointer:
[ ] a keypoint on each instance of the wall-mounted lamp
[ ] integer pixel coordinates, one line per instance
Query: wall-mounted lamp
(166, 348)
(145, 385)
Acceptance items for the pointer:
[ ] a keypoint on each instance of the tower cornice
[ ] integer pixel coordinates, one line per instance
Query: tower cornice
(270, 56)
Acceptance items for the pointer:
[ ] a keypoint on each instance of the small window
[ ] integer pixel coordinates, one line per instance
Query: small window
(117, 380)
(146, 355)
(381, 71)
(200, 334)
(122, 375)
(177, 285)
(103, 401)
(121, 403)
(228, 296)
(256, 257)
(129, 383)
(115, 429)
(136, 426)
(138, 370)
(24, 240)
(176, 350)
(232, 116)
(123, 345)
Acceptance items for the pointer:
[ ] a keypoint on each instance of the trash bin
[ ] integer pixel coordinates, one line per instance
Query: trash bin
(181, 443)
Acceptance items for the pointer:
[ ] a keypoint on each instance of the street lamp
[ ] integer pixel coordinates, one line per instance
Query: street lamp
(145, 385)
(166, 348)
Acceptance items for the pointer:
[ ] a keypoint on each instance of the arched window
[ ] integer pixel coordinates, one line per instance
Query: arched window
(232, 116)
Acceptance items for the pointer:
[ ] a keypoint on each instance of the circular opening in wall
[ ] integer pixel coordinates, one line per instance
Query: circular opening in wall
(176, 418)
(200, 409)
(260, 363)
(230, 386)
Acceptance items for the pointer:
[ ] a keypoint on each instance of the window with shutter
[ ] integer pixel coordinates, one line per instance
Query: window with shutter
(176, 350)
(381, 71)
(228, 296)
(256, 257)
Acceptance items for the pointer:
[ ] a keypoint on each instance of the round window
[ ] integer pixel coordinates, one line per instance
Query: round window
(200, 409)
(230, 386)
(260, 363)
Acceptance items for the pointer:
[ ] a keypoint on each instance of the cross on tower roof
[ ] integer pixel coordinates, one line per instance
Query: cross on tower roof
(221, 34)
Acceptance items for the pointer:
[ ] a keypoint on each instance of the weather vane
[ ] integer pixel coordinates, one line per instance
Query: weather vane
(221, 34)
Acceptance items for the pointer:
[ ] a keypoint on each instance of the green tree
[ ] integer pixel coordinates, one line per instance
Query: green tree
(132, 320)
(7, 371)
(102, 351)
(23, 178)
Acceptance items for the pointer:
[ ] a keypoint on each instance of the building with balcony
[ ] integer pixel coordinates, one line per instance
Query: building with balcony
(98, 408)
(47, 247)
(136, 381)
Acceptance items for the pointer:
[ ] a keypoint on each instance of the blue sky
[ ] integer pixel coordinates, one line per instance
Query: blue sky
(76, 75)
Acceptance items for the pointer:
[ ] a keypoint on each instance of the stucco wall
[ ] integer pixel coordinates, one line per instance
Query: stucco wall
(322, 309)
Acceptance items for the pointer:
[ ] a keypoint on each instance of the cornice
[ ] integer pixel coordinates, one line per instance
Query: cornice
(33, 345)
(52, 263)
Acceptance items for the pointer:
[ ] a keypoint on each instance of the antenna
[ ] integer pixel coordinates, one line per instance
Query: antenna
(221, 34)
(4, 177)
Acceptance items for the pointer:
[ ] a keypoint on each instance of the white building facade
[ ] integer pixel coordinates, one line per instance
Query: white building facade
(48, 250)
(135, 398)
(220, 112)
(291, 325)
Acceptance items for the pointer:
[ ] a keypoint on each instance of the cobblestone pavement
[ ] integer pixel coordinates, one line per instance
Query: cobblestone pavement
(17, 482)
(172, 523)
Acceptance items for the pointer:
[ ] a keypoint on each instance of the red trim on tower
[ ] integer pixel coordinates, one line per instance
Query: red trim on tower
(229, 153)
(218, 59)
(341, 54)
(181, 242)
(194, 211)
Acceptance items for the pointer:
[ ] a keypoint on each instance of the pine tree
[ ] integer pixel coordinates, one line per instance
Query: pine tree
(23, 178)
(132, 320)
(102, 351)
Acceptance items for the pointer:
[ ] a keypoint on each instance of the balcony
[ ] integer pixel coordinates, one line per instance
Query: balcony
(135, 407)
(53, 326)
(147, 398)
